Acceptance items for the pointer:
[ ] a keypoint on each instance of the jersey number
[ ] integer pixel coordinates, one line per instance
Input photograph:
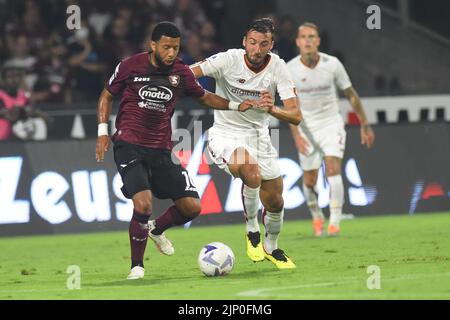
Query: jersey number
(189, 184)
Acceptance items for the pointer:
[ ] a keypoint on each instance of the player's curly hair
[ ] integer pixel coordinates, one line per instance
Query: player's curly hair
(263, 25)
(165, 28)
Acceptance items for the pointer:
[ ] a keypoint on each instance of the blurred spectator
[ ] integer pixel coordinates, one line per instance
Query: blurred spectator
(285, 38)
(99, 18)
(116, 42)
(86, 66)
(216, 11)
(192, 53)
(208, 40)
(64, 65)
(188, 16)
(14, 102)
(53, 72)
(33, 26)
(20, 57)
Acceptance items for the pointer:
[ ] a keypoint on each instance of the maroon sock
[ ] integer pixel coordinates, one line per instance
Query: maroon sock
(138, 232)
(172, 217)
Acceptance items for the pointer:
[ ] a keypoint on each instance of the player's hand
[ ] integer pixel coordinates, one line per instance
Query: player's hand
(302, 145)
(245, 105)
(266, 103)
(101, 147)
(367, 136)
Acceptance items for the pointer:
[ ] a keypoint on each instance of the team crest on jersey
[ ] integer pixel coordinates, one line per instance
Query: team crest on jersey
(174, 80)
(241, 80)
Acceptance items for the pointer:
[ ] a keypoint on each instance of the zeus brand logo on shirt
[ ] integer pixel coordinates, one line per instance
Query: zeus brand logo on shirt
(155, 94)
(141, 79)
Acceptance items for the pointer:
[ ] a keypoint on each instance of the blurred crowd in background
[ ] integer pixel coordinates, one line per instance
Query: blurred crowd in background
(64, 66)
(60, 65)
(44, 64)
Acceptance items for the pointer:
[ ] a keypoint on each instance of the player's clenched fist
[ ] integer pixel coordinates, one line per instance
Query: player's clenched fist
(101, 147)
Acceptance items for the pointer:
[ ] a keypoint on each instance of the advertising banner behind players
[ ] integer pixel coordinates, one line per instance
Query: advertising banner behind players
(55, 187)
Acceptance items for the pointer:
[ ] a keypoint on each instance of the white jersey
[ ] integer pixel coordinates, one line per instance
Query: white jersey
(236, 82)
(317, 89)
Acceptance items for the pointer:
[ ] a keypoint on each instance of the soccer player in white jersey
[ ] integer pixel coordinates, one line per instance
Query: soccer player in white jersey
(321, 136)
(240, 143)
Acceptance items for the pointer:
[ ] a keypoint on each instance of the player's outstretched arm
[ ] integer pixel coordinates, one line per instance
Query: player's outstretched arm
(367, 134)
(213, 101)
(103, 112)
(196, 70)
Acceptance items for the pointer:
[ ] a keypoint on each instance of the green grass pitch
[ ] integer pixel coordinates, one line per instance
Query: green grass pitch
(412, 252)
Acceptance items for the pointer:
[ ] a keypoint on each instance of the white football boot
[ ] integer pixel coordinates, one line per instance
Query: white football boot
(136, 273)
(162, 243)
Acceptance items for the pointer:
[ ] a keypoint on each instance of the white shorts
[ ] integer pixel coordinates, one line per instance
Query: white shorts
(222, 143)
(329, 141)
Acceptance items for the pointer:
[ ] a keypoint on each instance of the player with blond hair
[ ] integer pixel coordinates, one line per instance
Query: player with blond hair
(321, 136)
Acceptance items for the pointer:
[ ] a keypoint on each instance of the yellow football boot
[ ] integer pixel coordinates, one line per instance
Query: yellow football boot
(280, 259)
(255, 250)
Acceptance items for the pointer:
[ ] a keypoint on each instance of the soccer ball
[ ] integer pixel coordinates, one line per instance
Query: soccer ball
(216, 259)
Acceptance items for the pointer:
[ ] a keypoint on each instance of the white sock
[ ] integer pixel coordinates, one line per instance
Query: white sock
(336, 199)
(250, 201)
(312, 202)
(273, 221)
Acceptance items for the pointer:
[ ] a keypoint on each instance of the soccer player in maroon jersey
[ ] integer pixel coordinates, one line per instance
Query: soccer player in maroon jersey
(150, 84)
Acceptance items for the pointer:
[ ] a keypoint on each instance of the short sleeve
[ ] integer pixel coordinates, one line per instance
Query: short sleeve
(192, 87)
(341, 77)
(117, 81)
(285, 85)
(215, 65)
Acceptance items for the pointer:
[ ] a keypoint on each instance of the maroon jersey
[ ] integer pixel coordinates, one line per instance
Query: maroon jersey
(148, 99)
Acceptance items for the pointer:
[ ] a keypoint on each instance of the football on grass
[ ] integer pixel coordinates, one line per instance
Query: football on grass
(216, 259)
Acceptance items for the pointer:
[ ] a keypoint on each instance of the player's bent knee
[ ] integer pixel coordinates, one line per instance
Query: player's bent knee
(250, 175)
(195, 209)
(275, 204)
(143, 206)
(191, 208)
(309, 183)
(333, 172)
(310, 180)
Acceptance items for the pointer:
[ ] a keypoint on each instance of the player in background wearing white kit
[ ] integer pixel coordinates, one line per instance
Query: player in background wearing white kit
(240, 144)
(321, 136)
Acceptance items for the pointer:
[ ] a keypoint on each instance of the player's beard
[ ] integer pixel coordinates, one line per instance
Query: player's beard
(254, 63)
(161, 64)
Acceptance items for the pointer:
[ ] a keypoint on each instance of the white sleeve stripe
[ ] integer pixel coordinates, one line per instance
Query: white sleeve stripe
(115, 74)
